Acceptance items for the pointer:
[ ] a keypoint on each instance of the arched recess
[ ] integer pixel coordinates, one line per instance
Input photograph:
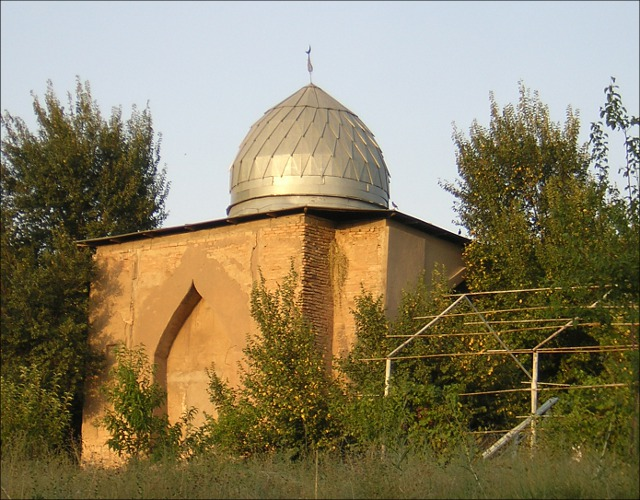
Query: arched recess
(178, 319)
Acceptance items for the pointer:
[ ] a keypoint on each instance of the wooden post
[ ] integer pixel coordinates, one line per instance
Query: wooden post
(315, 488)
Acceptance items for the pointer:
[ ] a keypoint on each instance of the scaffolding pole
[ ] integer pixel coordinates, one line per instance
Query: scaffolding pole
(516, 430)
(534, 396)
(387, 374)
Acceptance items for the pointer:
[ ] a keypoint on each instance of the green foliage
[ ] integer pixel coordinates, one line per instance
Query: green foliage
(421, 410)
(284, 399)
(34, 417)
(618, 120)
(137, 425)
(502, 196)
(424, 410)
(80, 173)
(426, 389)
(77, 176)
(371, 330)
(135, 397)
(621, 212)
(541, 209)
(543, 213)
(600, 420)
(44, 311)
(365, 414)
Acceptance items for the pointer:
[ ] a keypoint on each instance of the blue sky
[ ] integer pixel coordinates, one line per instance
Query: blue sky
(409, 70)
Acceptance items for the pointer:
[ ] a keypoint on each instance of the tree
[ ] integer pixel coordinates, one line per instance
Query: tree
(502, 197)
(618, 120)
(77, 176)
(540, 207)
(543, 212)
(285, 395)
(543, 215)
(35, 419)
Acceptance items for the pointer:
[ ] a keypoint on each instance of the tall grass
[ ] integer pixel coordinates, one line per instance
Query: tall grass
(397, 475)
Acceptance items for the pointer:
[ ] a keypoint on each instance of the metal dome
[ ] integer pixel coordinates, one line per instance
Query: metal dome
(309, 150)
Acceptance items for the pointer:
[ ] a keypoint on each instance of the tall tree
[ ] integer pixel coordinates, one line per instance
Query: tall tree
(543, 212)
(77, 176)
(541, 208)
(502, 197)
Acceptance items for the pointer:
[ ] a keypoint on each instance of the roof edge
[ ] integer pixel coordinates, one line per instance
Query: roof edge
(330, 213)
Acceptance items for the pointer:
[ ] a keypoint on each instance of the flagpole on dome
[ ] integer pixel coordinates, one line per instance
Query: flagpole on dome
(309, 65)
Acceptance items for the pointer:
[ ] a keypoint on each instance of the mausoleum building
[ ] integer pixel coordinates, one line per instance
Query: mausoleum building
(309, 188)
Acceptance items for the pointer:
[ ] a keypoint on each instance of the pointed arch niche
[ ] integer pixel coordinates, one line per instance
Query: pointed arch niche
(183, 355)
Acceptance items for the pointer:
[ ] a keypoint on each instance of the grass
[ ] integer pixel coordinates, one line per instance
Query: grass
(365, 476)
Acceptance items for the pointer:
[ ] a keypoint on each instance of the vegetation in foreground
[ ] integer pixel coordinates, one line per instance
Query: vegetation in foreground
(543, 215)
(78, 175)
(398, 475)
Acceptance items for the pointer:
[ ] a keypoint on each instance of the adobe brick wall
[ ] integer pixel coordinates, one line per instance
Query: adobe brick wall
(359, 261)
(410, 252)
(317, 288)
(186, 296)
(142, 286)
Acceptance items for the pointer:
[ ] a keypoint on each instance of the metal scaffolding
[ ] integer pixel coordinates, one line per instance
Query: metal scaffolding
(475, 317)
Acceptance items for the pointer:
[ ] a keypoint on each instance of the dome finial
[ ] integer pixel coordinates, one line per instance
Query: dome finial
(309, 65)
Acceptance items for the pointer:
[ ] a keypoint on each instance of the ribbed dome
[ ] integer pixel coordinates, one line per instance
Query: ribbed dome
(309, 150)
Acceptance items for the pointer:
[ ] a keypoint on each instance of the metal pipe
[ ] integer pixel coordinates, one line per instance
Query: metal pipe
(516, 430)
(387, 376)
(500, 341)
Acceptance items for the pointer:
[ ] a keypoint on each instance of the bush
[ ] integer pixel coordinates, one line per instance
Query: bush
(285, 397)
(34, 418)
(421, 410)
(137, 427)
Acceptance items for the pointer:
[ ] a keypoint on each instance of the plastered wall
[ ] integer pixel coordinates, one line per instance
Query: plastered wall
(411, 251)
(186, 297)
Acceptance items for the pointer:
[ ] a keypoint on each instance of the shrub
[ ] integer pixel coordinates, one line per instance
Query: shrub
(421, 410)
(135, 422)
(285, 396)
(34, 417)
